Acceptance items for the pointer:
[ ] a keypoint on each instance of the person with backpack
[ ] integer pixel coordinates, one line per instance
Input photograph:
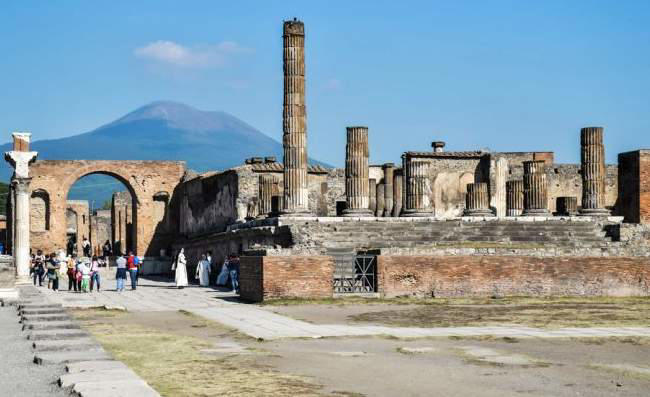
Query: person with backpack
(132, 267)
(233, 270)
(120, 273)
(38, 267)
(52, 272)
(84, 269)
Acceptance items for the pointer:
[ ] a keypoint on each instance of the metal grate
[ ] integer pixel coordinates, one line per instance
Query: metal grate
(361, 279)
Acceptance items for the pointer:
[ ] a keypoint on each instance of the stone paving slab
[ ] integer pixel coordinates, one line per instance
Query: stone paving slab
(70, 344)
(131, 388)
(102, 376)
(64, 357)
(45, 317)
(40, 311)
(49, 325)
(56, 334)
(92, 366)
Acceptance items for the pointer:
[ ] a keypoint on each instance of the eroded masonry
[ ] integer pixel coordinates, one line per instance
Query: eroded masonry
(441, 223)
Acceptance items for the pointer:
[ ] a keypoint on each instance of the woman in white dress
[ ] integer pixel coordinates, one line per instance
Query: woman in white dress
(181, 269)
(203, 271)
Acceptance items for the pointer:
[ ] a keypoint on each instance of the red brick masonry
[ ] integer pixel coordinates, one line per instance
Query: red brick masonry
(268, 277)
(462, 276)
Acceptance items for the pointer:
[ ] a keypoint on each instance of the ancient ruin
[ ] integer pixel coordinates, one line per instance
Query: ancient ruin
(444, 223)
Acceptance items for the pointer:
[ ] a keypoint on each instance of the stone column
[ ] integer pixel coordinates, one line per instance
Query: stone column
(372, 196)
(567, 206)
(389, 169)
(418, 188)
(592, 160)
(356, 172)
(380, 200)
(535, 189)
(478, 200)
(20, 158)
(397, 195)
(265, 195)
(514, 198)
(294, 123)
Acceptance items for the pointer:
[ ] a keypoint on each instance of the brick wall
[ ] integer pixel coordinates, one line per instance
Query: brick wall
(644, 186)
(268, 277)
(462, 276)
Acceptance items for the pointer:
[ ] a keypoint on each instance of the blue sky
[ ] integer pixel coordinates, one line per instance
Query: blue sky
(504, 75)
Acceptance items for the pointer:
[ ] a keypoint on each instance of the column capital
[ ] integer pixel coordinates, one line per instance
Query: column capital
(20, 161)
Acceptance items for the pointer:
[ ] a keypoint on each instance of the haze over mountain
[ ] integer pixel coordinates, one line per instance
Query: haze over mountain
(162, 130)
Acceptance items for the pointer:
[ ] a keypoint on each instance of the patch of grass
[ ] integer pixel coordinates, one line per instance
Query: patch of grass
(628, 371)
(173, 364)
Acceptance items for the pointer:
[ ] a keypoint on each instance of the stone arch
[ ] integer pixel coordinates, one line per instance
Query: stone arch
(40, 210)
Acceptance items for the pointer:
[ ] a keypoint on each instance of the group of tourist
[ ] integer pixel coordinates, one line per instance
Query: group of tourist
(83, 275)
(229, 270)
(127, 264)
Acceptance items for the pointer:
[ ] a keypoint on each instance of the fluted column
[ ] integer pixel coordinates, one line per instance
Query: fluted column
(294, 140)
(265, 194)
(22, 221)
(372, 196)
(379, 212)
(514, 198)
(535, 189)
(418, 188)
(477, 200)
(567, 206)
(356, 172)
(592, 160)
(397, 195)
(389, 169)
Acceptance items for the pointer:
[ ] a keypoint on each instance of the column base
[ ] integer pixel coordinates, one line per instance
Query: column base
(417, 213)
(290, 214)
(536, 212)
(568, 214)
(360, 212)
(513, 212)
(594, 212)
(478, 212)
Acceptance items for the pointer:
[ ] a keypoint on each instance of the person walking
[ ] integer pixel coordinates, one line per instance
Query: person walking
(95, 278)
(38, 267)
(84, 269)
(85, 245)
(107, 251)
(180, 265)
(53, 272)
(120, 274)
(132, 266)
(72, 278)
(203, 271)
(233, 270)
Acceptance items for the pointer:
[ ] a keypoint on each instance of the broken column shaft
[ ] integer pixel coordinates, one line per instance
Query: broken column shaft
(265, 195)
(397, 195)
(356, 172)
(514, 198)
(567, 206)
(372, 196)
(418, 188)
(592, 160)
(535, 189)
(380, 200)
(296, 194)
(478, 200)
(389, 169)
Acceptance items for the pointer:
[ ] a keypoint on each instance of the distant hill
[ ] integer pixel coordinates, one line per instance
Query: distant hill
(163, 130)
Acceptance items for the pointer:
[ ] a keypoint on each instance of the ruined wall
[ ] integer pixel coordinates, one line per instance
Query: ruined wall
(464, 276)
(78, 223)
(634, 186)
(144, 179)
(100, 230)
(265, 277)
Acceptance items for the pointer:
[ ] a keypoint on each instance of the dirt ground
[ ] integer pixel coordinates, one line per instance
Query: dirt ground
(180, 354)
(534, 312)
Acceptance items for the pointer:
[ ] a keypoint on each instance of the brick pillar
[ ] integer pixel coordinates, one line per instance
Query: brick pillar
(592, 160)
(418, 188)
(397, 195)
(389, 169)
(514, 198)
(478, 200)
(380, 200)
(296, 193)
(567, 206)
(356, 172)
(535, 189)
(372, 196)
(265, 195)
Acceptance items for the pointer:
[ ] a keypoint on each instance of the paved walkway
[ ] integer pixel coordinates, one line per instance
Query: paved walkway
(223, 307)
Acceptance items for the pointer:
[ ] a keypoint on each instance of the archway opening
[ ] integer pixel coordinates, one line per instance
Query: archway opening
(106, 216)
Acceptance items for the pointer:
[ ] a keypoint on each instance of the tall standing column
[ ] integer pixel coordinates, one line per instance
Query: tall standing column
(381, 188)
(418, 188)
(20, 158)
(389, 169)
(265, 194)
(356, 172)
(397, 195)
(592, 160)
(478, 200)
(372, 196)
(514, 198)
(535, 189)
(294, 140)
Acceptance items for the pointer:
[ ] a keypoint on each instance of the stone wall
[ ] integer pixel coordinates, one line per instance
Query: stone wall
(634, 186)
(77, 221)
(100, 230)
(266, 277)
(464, 276)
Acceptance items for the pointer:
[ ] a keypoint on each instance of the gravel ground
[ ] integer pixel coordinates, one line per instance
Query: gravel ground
(20, 376)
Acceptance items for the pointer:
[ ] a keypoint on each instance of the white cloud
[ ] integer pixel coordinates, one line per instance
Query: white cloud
(168, 52)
